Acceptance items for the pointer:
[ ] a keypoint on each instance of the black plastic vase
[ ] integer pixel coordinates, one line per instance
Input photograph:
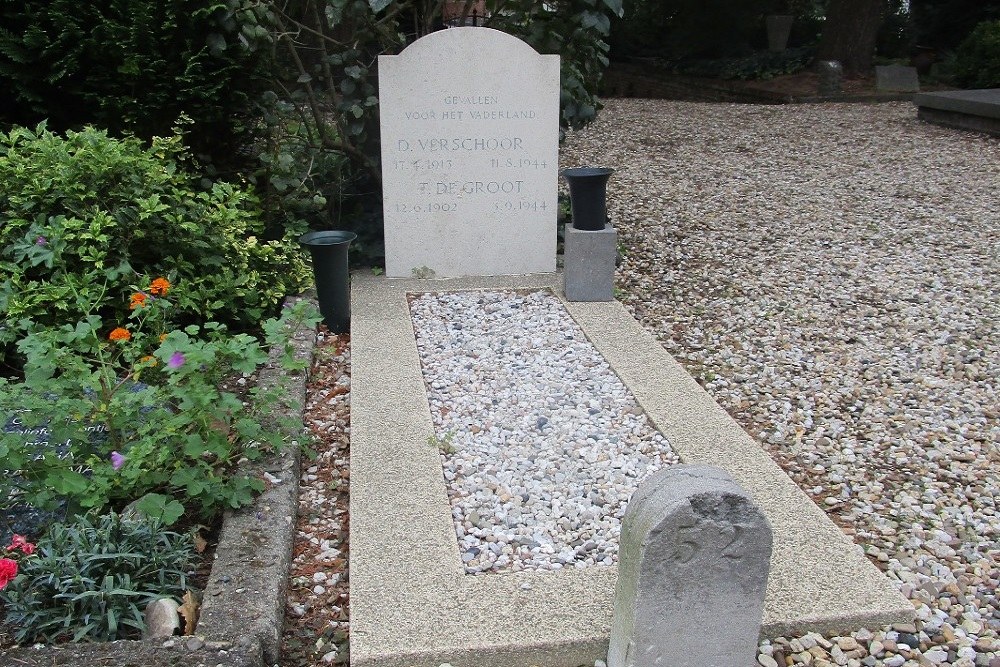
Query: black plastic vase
(333, 279)
(588, 196)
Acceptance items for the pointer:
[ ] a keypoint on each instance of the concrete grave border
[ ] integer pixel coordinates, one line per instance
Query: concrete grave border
(411, 603)
(975, 110)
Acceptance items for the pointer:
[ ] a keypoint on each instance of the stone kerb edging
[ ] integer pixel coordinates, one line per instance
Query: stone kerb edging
(242, 611)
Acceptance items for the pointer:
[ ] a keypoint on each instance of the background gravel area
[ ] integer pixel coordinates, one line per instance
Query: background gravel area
(830, 274)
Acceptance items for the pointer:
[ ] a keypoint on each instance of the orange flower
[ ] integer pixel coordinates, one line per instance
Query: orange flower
(149, 359)
(119, 334)
(159, 287)
(138, 301)
(163, 337)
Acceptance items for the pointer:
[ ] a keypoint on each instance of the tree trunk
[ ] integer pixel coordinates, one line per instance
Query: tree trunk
(850, 33)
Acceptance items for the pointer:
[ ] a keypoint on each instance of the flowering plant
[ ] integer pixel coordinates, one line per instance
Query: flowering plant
(18, 549)
(137, 410)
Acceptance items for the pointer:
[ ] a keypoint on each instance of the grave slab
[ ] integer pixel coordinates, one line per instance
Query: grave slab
(469, 133)
(412, 605)
(977, 110)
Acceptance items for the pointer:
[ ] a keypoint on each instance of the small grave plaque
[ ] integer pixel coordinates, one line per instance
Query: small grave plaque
(15, 515)
(896, 79)
(470, 135)
(694, 558)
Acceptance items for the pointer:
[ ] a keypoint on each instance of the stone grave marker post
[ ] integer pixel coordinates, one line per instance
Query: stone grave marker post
(831, 78)
(470, 139)
(693, 563)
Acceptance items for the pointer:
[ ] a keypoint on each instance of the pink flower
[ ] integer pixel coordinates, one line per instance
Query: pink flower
(17, 542)
(117, 460)
(176, 360)
(41, 240)
(28, 548)
(8, 570)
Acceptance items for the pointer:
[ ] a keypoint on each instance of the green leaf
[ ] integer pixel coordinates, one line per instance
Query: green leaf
(596, 20)
(379, 5)
(158, 506)
(616, 7)
(216, 42)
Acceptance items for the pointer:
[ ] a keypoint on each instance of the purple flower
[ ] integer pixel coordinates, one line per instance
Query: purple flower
(117, 460)
(176, 360)
(41, 240)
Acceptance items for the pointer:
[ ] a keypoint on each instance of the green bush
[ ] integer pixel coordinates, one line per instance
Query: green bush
(136, 408)
(977, 60)
(135, 66)
(91, 579)
(82, 216)
(760, 65)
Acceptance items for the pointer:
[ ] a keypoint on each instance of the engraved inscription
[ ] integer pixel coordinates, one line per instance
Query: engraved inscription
(708, 538)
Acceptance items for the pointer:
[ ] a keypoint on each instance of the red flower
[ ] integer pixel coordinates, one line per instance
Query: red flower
(8, 570)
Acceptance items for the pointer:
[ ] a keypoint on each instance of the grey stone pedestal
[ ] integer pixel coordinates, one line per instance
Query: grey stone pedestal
(589, 264)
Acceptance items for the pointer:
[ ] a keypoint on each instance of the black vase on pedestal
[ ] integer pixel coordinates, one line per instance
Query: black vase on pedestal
(588, 196)
(333, 279)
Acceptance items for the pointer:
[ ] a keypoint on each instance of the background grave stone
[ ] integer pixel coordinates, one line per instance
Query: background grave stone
(831, 77)
(470, 134)
(693, 564)
(896, 79)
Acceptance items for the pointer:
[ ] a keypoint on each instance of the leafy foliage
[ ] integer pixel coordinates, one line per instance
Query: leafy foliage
(760, 65)
(136, 66)
(692, 29)
(153, 396)
(944, 24)
(82, 216)
(90, 579)
(977, 59)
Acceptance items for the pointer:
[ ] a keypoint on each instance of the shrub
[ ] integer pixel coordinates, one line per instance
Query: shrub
(82, 216)
(135, 409)
(977, 60)
(760, 65)
(91, 579)
(135, 66)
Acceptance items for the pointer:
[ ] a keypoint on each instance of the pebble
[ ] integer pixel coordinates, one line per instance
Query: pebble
(766, 660)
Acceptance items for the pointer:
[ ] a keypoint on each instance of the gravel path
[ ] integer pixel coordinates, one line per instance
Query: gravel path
(830, 275)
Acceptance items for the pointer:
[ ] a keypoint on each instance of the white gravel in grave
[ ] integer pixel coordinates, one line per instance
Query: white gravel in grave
(542, 445)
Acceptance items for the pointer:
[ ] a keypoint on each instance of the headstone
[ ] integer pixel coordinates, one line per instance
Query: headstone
(779, 28)
(470, 136)
(693, 563)
(831, 77)
(896, 79)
